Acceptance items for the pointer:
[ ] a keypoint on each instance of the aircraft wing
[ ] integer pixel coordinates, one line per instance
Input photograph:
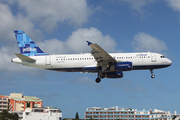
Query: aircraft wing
(101, 56)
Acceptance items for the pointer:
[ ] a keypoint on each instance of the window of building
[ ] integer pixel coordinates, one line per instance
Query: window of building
(28, 104)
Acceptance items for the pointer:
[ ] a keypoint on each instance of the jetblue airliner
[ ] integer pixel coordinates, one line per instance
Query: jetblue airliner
(106, 65)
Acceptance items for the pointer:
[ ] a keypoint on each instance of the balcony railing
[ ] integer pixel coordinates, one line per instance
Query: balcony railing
(4, 104)
(3, 108)
(3, 100)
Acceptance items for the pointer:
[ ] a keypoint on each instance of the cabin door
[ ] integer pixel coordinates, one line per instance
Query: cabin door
(153, 57)
(48, 60)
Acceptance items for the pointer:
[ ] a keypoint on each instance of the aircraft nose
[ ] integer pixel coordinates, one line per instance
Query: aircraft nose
(169, 62)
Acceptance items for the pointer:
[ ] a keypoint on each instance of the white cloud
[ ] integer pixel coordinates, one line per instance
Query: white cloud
(76, 43)
(174, 4)
(138, 5)
(146, 42)
(9, 23)
(50, 13)
(30, 16)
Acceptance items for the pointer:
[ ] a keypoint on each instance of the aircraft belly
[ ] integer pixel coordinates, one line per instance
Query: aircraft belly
(144, 67)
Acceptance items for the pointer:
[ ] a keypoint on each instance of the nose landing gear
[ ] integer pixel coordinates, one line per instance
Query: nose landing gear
(152, 75)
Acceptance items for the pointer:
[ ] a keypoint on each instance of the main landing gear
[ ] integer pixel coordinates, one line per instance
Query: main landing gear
(152, 75)
(101, 75)
(98, 80)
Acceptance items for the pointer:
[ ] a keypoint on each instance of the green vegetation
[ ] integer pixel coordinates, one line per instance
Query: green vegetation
(174, 117)
(5, 115)
(77, 116)
(91, 119)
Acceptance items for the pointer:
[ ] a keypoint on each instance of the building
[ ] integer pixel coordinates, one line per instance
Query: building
(4, 102)
(116, 113)
(18, 102)
(28, 107)
(47, 113)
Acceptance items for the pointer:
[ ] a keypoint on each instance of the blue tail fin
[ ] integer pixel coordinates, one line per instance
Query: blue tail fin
(26, 45)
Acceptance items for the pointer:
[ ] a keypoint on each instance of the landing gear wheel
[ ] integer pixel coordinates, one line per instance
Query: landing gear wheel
(152, 76)
(98, 80)
(102, 75)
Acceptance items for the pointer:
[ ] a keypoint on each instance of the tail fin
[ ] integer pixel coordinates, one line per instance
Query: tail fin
(26, 45)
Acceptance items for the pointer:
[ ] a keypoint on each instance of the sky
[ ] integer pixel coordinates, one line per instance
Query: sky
(63, 26)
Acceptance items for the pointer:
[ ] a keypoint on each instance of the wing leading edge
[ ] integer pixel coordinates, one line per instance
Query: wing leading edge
(101, 56)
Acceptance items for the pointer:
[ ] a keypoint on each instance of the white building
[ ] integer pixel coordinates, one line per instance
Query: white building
(40, 114)
(115, 113)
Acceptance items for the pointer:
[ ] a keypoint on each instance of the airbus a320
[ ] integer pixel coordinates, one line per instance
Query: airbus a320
(106, 65)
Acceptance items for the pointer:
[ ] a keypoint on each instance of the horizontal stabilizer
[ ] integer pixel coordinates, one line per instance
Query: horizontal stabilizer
(24, 58)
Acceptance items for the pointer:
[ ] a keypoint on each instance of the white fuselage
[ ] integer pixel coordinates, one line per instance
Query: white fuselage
(87, 63)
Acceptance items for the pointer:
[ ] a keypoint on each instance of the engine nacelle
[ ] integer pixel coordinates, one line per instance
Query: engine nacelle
(122, 66)
(114, 74)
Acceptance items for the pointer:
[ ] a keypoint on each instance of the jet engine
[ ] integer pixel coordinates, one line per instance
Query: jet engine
(114, 74)
(122, 66)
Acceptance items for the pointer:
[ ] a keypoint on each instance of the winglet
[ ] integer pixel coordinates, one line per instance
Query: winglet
(89, 43)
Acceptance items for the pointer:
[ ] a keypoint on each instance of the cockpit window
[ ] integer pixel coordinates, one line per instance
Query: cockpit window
(162, 57)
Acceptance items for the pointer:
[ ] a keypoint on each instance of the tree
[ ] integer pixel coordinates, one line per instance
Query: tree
(77, 116)
(91, 119)
(174, 117)
(15, 116)
(5, 115)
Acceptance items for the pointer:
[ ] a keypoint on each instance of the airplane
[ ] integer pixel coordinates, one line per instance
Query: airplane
(106, 65)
